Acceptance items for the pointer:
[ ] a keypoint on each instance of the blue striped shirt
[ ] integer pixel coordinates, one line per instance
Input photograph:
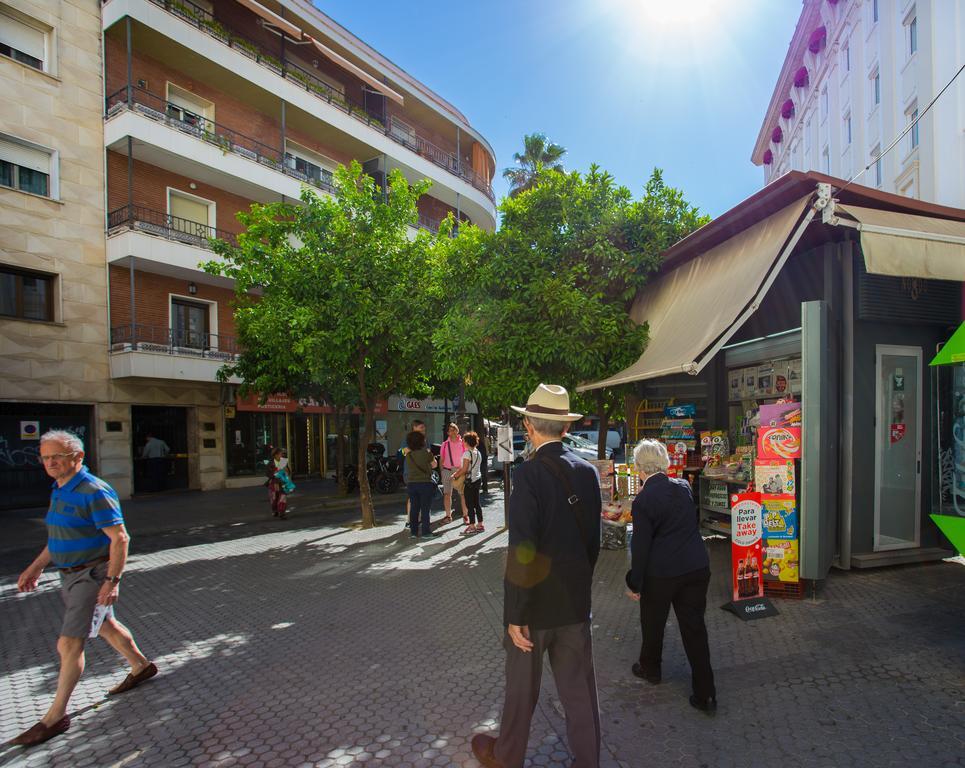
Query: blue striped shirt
(78, 511)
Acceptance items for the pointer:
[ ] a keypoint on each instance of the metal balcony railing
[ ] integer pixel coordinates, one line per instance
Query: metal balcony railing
(152, 338)
(163, 224)
(204, 20)
(221, 136)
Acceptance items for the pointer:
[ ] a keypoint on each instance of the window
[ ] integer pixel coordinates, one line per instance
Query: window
(874, 11)
(846, 130)
(826, 160)
(875, 88)
(190, 109)
(876, 156)
(189, 324)
(190, 218)
(912, 117)
(807, 135)
(846, 57)
(23, 39)
(824, 103)
(26, 167)
(912, 34)
(314, 167)
(27, 295)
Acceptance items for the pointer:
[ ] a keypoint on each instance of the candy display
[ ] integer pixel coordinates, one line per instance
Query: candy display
(775, 476)
(781, 560)
(780, 517)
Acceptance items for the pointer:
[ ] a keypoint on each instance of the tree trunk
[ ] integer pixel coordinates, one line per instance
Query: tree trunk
(604, 425)
(365, 491)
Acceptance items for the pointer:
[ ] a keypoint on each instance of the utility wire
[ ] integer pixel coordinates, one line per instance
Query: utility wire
(902, 135)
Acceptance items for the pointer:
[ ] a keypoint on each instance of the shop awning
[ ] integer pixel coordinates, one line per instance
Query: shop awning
(908, 245)
(694, 309)
(272, 18)
(360, 73)
(954, 349)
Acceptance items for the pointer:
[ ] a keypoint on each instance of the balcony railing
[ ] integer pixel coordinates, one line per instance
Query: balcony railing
(204, 20)
(152, 338)
(136, 217)
(221, 136)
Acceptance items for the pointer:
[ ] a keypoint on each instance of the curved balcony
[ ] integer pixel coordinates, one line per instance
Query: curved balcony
(136, 217)
(204, 21)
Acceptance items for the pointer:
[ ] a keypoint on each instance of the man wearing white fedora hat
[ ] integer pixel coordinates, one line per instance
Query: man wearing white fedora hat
(554, 542)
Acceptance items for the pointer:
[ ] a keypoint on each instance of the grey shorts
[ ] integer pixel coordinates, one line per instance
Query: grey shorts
(447, 480)
(79, 592)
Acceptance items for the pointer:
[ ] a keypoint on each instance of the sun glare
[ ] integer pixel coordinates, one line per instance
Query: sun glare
(675, 15)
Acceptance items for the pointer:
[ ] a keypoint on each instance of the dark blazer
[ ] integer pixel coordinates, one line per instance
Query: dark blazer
(549, 566)
(666, 539)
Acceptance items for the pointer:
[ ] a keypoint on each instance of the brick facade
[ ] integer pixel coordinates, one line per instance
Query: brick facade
(152, 296)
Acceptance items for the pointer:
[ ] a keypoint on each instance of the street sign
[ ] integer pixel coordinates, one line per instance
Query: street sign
(504, 444)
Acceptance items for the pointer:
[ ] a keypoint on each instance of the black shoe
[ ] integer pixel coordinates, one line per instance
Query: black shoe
(707, 706)
(638, 671)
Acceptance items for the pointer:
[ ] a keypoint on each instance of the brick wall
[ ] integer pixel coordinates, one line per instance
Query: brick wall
(150, 191)
(152, 299)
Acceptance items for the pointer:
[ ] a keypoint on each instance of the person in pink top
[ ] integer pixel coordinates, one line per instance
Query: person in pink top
(450, 459)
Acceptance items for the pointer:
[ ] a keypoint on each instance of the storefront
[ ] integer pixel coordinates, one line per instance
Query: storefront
(435, 412)
(835, 303)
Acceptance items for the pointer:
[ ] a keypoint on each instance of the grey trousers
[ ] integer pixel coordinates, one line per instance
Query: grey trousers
(570, 650)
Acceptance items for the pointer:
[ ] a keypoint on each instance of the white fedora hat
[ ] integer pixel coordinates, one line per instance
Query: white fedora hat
(548, 401)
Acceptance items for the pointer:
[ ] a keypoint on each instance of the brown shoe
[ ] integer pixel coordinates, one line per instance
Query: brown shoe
(482, 748)
(132, 681)
(39, 733)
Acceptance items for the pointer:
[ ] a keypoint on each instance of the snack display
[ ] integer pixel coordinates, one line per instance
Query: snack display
(779, 442)
(775, 477)
(779, 517)
(781, 560)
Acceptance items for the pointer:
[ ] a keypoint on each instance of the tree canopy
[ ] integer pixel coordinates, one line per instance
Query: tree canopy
(346, 302)
(539, 154)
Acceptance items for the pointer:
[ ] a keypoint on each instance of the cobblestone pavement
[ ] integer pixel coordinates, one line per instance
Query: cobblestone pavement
(327, 645)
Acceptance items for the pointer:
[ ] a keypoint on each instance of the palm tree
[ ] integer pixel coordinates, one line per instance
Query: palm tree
(539, 154)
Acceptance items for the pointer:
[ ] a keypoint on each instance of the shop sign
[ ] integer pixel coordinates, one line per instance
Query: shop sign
(428, 405)
(779, 442)
(29, 430)
(897, 432)
(746, 530)
(282, 403)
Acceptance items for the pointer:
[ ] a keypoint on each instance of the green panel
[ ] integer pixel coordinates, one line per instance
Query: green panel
(953, 528)
(954, 349)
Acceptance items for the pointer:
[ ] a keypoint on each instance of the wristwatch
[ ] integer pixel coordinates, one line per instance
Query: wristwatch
(114, 579)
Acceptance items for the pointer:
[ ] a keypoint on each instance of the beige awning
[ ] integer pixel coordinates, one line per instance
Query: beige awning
(272, 18)
(693, 310)
(907, 245)
(360, 73)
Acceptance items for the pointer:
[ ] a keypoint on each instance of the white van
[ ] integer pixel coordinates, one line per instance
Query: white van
(613, 439)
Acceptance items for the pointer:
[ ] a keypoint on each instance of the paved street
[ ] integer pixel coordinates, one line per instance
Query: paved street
(316, 643)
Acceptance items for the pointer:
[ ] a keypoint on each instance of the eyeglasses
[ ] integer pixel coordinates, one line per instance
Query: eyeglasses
(56, 457)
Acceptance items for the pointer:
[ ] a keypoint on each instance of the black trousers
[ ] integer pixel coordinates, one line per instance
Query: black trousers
(570, 650)
(472, 502)
(687, 594)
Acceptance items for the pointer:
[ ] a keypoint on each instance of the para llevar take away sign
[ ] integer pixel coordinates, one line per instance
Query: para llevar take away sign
(746, 533)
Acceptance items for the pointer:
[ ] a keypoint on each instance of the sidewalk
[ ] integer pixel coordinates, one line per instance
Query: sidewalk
(324, 645)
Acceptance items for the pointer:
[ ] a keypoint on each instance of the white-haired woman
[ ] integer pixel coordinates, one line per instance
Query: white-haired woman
(670, 566)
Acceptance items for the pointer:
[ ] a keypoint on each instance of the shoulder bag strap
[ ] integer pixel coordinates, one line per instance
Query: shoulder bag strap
(572, 499)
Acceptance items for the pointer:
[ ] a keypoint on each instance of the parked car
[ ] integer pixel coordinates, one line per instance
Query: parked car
(521, 450)
(613, 440)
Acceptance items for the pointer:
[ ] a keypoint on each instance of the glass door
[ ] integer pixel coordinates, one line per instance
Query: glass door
(190, 324)
(898, 397)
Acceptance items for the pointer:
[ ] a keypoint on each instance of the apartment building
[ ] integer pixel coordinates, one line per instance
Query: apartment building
(207, 107)
(54, 370)
(857, 73)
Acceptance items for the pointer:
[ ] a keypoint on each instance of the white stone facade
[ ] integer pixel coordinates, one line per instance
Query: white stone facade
(876, 67)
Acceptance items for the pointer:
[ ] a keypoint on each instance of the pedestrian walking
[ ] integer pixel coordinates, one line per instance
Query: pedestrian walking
(554, 542)
(419, 426)
(279, 483)
(450, 456)
(87, 542)
(471, 469)
(670, 566)
(420, 462)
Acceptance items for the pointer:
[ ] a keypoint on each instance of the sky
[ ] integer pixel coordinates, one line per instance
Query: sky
(631, 85)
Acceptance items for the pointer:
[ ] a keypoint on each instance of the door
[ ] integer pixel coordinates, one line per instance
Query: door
(898, 415)
(154, 473)
(189, 324)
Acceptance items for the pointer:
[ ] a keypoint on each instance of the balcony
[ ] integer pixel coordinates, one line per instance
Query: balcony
(217, 135)
(155, 352)
(193, 233)
(205, 22)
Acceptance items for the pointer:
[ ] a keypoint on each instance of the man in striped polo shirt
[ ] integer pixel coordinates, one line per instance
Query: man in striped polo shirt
(87, 543)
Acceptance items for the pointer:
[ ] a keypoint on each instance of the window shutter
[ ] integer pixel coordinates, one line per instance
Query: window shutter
(24, 156)
(24, 38)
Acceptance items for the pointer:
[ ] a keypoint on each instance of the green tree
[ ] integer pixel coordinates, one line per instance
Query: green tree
(539, 154)
(550, 292)
(348, 301)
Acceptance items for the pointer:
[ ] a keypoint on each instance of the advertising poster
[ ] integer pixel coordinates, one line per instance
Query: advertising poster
(781, 414)
(781, 560)
(779, 515)
(775, 477)
(779, 442)
(746, 553)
